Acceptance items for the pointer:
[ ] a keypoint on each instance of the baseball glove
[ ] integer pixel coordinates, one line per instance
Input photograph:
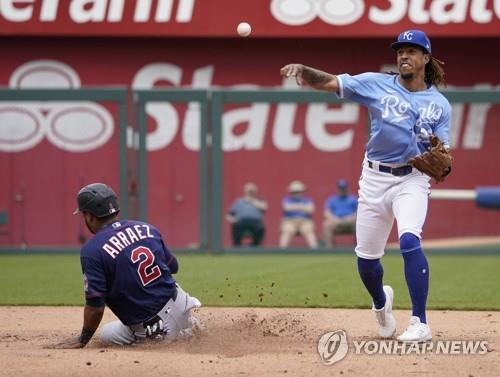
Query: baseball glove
(436, 163)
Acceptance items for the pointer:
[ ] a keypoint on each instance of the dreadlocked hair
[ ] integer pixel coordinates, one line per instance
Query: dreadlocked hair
(434, 72)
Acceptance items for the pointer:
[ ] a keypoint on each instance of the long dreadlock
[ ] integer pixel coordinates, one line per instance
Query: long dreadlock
(434, 72)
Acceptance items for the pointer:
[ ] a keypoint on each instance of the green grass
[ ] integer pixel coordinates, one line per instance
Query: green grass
(457, 281)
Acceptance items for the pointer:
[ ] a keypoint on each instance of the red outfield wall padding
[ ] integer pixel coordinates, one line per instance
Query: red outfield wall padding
(56, 147)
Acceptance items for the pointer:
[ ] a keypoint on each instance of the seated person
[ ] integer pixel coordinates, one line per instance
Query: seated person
(246, 215)
(297, 216)
(340, 214)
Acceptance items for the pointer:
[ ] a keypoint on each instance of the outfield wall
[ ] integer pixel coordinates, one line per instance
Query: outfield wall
(268, 144)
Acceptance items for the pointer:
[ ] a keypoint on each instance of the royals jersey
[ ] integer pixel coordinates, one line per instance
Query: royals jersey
(127, 266)
(401, 121)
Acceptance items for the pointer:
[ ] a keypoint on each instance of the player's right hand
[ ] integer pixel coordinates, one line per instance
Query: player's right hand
(293, 70)
(70, 343)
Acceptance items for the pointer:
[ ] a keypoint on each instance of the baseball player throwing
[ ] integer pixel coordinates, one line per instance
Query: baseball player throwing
(408, 144)
(127, 266)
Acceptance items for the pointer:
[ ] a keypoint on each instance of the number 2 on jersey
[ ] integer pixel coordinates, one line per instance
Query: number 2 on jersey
(147, 276)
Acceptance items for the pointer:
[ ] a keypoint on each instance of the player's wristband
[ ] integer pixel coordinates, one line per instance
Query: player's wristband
(86, 335)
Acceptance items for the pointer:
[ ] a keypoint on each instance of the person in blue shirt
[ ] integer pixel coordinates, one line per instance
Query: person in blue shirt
(405, 109)
(339, 213)
(246, 216)
(127, 267)
(297, 216)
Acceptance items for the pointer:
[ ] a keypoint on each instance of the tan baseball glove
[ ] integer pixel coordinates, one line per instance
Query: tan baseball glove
(436, 163)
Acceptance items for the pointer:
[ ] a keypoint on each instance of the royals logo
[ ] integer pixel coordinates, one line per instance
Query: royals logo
(408, 35)
(397, 109)
(394, 108)
(430, 114)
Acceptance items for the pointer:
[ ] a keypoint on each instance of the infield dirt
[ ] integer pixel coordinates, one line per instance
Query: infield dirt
(241, 342)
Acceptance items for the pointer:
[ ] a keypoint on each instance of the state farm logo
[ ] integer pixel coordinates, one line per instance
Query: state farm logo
(72, 126)
(300, 12)
(346, 12)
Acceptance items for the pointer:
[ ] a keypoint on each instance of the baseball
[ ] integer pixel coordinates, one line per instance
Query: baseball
(244, 29)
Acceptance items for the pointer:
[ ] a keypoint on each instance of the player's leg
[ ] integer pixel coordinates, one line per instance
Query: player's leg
(179, 321)
(307, 230)
(410, 209)
(288, 229)
(373, 225)
(117, 333)
(372, 231)
(175, 320)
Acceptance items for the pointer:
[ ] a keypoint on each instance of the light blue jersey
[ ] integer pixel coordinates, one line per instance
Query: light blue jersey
(401, 121)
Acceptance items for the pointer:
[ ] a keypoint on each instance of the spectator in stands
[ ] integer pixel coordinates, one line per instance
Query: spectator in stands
(246, 216)
(339, 214)
(297, 216)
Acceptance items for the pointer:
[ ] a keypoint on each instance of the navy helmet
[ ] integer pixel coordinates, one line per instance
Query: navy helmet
(413, 37)
(98, 199)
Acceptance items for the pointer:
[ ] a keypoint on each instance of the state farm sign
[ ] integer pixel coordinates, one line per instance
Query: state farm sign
(346, 12)
(87, 11)
(275, 18)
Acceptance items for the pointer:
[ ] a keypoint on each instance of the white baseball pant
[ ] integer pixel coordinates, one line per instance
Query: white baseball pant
(384, 197)
(176, 317)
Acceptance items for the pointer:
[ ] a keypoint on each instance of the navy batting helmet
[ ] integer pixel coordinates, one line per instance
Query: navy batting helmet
(98, 199)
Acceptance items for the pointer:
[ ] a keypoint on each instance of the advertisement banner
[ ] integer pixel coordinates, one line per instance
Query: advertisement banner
(268, 18)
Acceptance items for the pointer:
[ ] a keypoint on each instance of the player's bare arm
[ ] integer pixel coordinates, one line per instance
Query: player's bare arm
(312, 77)
(91, 319)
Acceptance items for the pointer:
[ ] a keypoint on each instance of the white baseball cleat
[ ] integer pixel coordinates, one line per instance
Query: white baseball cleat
(385, 319)
(416, 332)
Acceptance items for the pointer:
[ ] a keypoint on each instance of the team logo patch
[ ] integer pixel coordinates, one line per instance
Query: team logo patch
(408, 35)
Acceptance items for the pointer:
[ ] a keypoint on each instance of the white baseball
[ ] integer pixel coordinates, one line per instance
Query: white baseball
(244, 29)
